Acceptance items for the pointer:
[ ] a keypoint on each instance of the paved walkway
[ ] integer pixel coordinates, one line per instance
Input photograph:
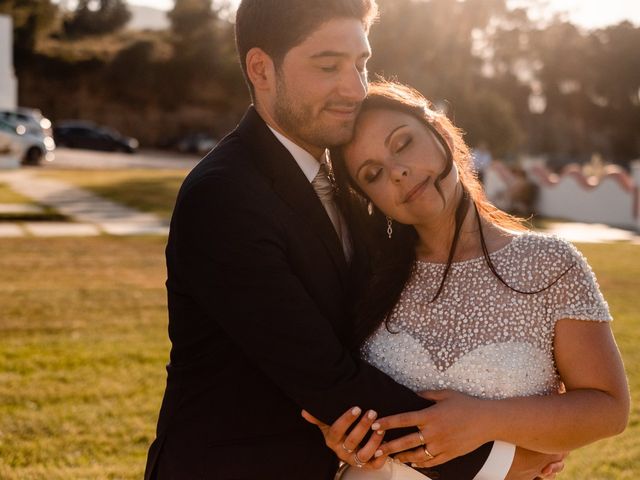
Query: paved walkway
(90, 214)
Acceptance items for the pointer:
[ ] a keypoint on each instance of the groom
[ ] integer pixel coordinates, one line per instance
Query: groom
(258, 268)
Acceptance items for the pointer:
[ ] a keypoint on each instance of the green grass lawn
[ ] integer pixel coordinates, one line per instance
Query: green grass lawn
(9, 196)
(83, 347)
(151, 191)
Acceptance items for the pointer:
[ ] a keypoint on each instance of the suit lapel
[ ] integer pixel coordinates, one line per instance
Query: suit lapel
(288, 181)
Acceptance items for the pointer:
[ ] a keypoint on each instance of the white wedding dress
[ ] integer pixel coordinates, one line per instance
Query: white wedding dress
(480, 337)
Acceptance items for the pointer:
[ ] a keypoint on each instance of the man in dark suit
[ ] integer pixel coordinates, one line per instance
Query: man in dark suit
(258, 266)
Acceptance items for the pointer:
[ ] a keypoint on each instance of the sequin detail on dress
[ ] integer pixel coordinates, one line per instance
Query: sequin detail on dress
(479, 337)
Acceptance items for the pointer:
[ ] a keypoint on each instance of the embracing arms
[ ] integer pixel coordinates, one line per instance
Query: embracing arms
(596, 404)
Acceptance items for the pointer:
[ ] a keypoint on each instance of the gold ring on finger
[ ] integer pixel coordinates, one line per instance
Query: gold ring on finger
(428, 453)
(422, 442)
(348, 450)
(359, 463)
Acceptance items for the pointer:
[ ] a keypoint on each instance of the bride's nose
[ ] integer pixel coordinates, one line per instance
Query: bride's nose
(399, 172)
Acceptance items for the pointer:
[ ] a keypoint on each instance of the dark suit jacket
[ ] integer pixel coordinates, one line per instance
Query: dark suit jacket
(257, 290)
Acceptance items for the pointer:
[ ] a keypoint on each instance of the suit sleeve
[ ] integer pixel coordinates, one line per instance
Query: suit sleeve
(231, 254)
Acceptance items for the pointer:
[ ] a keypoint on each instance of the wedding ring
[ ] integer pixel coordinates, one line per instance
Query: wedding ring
(422, 442)
(346, 449)
(359, 463)
(428, 453)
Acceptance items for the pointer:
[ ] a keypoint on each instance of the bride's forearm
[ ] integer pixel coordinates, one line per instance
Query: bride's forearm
(558, 423)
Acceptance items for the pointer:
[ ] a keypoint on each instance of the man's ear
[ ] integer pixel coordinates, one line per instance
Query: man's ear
(260, 70)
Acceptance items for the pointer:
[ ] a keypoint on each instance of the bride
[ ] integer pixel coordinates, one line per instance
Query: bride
(466, 305)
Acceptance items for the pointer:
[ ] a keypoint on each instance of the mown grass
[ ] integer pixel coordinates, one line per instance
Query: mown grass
(9, 196)
(151, 191)
(83, 346)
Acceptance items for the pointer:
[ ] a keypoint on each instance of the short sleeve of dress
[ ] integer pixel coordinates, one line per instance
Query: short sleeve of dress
(576, 295)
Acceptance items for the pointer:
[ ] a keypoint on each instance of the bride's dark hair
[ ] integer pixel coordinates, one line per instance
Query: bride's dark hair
(391, 260)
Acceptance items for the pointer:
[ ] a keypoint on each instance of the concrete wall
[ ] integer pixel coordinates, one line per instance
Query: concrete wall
(612, 199)
(8, 82)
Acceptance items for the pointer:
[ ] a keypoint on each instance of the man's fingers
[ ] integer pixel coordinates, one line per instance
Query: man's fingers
(311, 419)
(408, 419)
(341, 425)
(368, 451)
(360, 431)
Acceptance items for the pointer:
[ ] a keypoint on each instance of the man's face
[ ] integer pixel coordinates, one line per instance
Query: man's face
(321, 83)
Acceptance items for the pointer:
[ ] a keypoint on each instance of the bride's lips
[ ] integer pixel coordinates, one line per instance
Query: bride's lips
(415, 191)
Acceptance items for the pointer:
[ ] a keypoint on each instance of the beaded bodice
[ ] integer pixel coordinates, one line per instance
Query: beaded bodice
(480, 337)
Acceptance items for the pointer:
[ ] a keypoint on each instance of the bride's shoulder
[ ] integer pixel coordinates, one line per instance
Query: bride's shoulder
(543, 247)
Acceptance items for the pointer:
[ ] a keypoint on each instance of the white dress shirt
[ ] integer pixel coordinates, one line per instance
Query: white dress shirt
(501, 457)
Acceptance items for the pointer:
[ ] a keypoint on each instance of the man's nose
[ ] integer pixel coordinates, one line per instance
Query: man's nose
(354, 85)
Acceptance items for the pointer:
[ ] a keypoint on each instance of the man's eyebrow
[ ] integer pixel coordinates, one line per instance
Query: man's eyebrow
(335, 53)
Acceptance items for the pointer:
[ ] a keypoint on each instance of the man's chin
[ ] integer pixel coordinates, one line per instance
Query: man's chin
(339, 136)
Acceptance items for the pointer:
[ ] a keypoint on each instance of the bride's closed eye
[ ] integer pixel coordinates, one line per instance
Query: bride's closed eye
(372, 176)
(404, 143)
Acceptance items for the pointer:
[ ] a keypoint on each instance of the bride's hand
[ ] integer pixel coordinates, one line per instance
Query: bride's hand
(457, 424)
(347, 445)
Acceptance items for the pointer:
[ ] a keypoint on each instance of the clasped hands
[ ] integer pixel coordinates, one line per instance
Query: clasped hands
(453, 426)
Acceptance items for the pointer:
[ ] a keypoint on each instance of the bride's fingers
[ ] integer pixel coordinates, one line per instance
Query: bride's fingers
(421, 458)
(401, 444)
(407, 419)
(336, 432)
(360, 431)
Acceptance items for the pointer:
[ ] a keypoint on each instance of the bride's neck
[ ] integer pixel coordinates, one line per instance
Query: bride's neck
(436, 235)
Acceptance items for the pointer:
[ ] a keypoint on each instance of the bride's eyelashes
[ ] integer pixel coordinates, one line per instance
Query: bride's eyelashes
(373, 176)
(404, 144)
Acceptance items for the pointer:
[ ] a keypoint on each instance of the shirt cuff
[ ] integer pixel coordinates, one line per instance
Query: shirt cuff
(498, 463)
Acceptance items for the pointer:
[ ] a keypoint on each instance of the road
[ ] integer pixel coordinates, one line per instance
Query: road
(67, 158)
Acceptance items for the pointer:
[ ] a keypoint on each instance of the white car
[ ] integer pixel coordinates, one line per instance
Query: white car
(29, 146)
(31, 118)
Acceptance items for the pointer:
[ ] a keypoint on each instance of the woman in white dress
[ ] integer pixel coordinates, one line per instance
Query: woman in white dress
(464, 302)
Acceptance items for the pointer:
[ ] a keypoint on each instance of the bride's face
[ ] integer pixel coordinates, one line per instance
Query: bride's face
(395, 159)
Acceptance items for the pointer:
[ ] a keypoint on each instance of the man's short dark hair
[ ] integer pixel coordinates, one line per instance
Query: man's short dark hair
(276, 26)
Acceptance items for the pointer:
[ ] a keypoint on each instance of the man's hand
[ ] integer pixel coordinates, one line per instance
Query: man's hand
(528, 465)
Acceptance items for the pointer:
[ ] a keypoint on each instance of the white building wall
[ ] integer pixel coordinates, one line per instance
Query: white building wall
(8, 82)
(606, 203)
(566, 196)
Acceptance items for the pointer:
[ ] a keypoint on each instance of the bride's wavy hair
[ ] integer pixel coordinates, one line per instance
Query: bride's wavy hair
(391, 260)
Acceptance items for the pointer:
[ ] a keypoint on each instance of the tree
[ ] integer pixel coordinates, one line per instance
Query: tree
(97, 17)
(31, 20)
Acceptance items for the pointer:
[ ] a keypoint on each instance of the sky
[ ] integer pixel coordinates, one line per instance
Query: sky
(586, 13)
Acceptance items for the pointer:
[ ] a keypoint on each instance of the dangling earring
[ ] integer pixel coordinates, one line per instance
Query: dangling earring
(389, 227)
(370, 208)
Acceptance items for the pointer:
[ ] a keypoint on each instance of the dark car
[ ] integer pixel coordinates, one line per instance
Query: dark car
(93, 137)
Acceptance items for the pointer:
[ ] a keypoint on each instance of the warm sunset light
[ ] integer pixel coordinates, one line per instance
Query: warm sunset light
(587, 13)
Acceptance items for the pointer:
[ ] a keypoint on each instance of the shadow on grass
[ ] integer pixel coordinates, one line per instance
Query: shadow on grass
(153, 195)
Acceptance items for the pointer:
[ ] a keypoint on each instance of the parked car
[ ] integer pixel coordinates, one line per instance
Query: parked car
(79, 134)
(200, 143)
(31, 118)
(29, 146)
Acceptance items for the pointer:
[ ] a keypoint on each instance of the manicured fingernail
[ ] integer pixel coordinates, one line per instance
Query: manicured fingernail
(378, 453)
(356, 411)
(380, 432)
(372, 414)
(375, 426)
